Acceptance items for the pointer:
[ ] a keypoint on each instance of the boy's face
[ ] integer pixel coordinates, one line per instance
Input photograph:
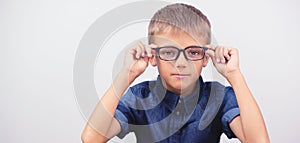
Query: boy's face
(179, 76)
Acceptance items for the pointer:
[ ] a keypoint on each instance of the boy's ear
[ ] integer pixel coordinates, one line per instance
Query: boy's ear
(153, 61)
(205, 61)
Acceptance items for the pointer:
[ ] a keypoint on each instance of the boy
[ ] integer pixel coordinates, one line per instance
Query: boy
(178, 106)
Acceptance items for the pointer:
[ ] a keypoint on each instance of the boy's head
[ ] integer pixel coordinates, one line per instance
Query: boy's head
(179, 26)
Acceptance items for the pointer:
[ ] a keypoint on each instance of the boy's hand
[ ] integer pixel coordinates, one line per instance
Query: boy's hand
(137, 59)
(225, 59)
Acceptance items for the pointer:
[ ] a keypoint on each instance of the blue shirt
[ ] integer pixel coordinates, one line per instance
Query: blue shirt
(155, 114)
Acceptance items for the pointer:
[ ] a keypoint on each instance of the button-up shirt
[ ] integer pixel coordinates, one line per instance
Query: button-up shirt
(155, 114)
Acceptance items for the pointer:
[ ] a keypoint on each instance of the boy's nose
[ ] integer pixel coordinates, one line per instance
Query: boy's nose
(181, 61)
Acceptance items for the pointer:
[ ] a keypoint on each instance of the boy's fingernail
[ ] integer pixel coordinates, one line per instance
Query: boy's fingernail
(218, 60)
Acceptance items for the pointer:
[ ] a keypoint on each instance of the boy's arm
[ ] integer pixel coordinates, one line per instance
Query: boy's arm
(250, 121)
(102, 125)
(249, 127)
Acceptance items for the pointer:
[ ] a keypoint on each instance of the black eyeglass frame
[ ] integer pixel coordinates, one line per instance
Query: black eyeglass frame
(179, 51)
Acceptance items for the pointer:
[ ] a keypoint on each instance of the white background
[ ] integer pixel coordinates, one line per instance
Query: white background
(39, 38)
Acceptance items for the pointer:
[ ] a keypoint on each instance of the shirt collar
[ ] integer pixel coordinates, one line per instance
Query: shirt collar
(171, 99)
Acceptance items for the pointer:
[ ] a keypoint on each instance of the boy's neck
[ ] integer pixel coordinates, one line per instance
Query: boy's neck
(181, 92)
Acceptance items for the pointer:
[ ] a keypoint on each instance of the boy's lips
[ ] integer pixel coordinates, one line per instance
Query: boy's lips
(180, 75)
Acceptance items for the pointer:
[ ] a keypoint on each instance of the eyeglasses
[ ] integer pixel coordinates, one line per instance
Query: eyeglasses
(171, 53)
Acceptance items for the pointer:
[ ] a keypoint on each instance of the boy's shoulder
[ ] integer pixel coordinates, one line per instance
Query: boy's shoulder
(140, 96)
(216, 88)
(214, 85)
(141, 89)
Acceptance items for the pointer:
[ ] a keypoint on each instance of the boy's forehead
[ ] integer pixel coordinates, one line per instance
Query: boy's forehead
(177, 39)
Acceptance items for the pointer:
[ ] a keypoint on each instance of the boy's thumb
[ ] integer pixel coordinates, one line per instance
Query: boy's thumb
(211, 54)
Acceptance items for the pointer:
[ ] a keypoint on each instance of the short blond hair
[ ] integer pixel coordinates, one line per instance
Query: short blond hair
(180, 18)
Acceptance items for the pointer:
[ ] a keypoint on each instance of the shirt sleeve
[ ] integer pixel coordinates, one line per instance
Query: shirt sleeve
(124, 115)
(229, 112)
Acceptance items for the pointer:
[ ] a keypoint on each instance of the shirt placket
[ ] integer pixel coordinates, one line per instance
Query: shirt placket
(177, 121)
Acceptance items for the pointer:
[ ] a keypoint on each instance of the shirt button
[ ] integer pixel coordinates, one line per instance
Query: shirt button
(179, 101)
(177, 113)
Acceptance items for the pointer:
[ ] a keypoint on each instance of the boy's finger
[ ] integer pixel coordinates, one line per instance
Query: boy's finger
(152, 46)
(226, 54)
(210, 53)
(132, 52)
(137, 51)
(222, 58)
(218, 54)
(148, 50)
(142, 48)
(233, 52)
(210, 47)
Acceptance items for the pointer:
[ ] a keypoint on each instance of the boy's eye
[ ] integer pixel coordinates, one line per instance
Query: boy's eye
(194, 52)
(167, 53)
